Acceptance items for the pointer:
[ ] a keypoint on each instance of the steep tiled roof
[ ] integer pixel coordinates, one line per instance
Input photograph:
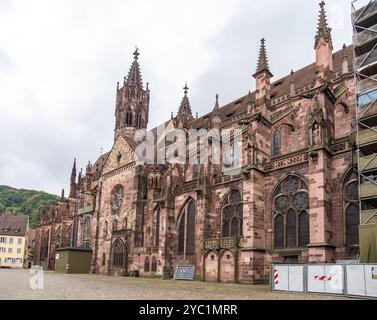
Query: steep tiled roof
(13, 225)
(98, 165)
(279, 88)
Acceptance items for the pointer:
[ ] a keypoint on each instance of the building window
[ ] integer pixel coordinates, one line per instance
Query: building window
(129, 118)
(3, 240)
(2, 250)
(116, 199)
(146, 264)
(86, 233)
(352, 213)
(10, 250)
(11, 241)
(158, 216)
(196, 168)
(276, 144)
(290, 209)
(232, 215)
(118, 254)
(154, 264)
(279, 232)
(303, 229)
(19, 241)
(186, 230)
(18, 250)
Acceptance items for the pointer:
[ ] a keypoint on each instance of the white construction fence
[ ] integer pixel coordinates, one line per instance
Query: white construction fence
(353, 280)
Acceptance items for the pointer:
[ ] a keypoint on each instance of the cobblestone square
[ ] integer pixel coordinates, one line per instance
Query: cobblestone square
(15, 285)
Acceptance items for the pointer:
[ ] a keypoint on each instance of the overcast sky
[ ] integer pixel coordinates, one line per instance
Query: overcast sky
(60, 61)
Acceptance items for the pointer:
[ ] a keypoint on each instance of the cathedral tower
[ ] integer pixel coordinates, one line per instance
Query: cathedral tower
(132, 102)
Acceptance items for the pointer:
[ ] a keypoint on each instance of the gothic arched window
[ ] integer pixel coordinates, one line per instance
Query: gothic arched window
(139, 121)
(279, 232)
(154, 264)
(352, 213)
(186, 229)
(146, 264)
(276, 144)
(158, 217)
(86, 233)
(291, 218)
(116, 199)
(118, 254)
(232, 215)
(129, 118)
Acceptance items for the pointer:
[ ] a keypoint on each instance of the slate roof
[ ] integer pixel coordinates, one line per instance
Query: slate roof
(13, 225)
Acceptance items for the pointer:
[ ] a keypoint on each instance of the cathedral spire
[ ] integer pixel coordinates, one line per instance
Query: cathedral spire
(263, 60)
(184, 112)
(216, 114)
(72, 190)
(134, 75)
(323, 30)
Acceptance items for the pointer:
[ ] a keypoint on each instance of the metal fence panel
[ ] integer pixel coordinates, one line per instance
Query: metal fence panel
(280, 277)
(334, 284)
(314, 284)
(355, 279)
(288, 278)
(296, 278)
(370, 275)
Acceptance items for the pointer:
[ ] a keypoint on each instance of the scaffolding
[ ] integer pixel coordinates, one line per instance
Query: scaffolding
(364, 20)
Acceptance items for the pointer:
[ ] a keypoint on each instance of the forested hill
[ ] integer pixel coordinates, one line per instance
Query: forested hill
(22, 201)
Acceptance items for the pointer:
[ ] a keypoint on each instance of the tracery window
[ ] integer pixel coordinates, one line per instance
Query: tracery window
(351, 205)
(116, 200)
(158, 216)
(291, 217)
(86, 233)
(146, 264)
(232, 215)
(186, 229)
(118, 254)
(129, 118)
(276, 144)
(154, 264)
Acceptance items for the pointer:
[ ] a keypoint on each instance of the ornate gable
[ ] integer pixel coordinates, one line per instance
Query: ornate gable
(120, 155)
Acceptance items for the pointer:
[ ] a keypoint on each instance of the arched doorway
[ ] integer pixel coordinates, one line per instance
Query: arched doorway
(118, 258)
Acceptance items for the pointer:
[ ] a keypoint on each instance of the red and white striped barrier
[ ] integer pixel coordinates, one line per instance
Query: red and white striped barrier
(276, 277)
(322, 278)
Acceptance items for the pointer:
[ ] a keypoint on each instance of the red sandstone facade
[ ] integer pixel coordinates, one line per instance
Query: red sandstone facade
(294, 200)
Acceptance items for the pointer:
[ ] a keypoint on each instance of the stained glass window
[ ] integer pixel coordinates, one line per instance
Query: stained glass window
(232, 215)
(186, 230)
(303, 228)
(146, 264)
(276, 144)
(291, 229)
(154, 264)
(158, 227)
(181, 235)
(291, 205)
(279, 231)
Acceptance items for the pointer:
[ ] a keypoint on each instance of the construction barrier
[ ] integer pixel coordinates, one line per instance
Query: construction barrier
(326, 279)
(361, 280)
(354, 280)
(288, 278)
